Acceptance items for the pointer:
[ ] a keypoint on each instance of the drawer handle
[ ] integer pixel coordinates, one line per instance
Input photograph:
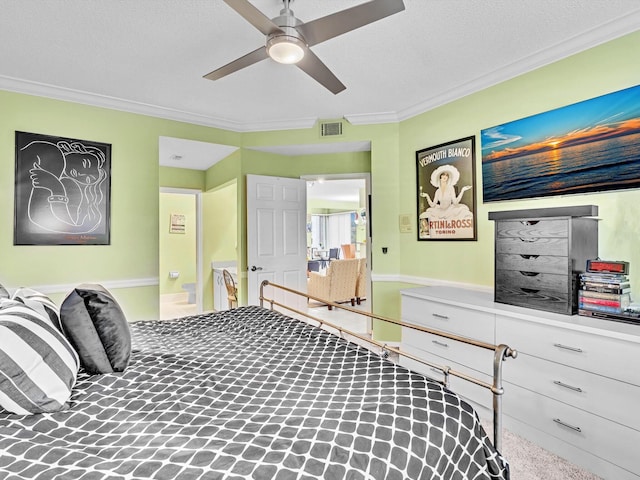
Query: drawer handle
(529, 274)
(570, 387)
(529, 257)
(441, 344)
(572, 427)
(528, 240)
(438, 315)
(529, 222)
(529, 290)
(566, 347)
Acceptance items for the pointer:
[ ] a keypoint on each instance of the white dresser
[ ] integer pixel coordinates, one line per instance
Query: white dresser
(574, 388)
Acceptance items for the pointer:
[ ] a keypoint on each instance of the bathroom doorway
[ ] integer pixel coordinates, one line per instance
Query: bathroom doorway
(180, 274)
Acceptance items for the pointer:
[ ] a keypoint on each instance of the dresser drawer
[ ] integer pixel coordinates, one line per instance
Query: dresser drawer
(533, 263)
(611, 441)
(594, 353)
(542, 291)
(477, 358)
(533, 228)
(474, 324)
(533, 245)
(596, 394)
(470, 391)
(511, 279)
(556, 301)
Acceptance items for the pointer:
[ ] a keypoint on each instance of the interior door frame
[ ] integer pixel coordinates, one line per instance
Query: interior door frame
(366, 176)
(199, 250)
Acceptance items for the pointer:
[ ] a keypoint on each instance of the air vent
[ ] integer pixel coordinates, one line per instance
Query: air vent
(331, 129)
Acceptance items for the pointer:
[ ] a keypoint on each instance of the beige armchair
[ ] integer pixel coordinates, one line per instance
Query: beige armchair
(361, 281)
(338, 284)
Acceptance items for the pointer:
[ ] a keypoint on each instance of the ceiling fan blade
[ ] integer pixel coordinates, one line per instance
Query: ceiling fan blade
(331, 26)
(313, 66)
(254, 16)
(242, 62)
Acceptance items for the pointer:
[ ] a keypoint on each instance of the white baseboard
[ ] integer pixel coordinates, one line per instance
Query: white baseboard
(108, 284)
(428, 282)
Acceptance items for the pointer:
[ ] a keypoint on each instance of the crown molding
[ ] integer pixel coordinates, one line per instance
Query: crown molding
(372, 118)
(272, 125)
(77, 96)
(601, 34)
(597, 36)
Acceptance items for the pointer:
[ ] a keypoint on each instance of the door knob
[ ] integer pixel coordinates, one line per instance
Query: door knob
(254, 268)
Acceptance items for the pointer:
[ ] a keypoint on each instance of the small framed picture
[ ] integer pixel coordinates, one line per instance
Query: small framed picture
(177, 223)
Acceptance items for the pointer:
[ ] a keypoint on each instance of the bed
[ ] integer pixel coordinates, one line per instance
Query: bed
(250, 393)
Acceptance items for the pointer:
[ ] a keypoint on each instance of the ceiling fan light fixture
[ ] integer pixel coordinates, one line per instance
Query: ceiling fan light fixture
(285, 49)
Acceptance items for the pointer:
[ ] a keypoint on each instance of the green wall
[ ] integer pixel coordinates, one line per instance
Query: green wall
(589, 74)
(132, 257)
(220, 214)
(182, 178)
(129, 265)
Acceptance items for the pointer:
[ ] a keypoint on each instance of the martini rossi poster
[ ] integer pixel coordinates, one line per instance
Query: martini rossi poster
(446, 203)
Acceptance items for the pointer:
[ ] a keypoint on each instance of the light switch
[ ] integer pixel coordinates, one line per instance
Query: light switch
(405, 223)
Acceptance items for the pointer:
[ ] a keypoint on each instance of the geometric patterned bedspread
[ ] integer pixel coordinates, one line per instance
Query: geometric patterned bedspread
(251, 394)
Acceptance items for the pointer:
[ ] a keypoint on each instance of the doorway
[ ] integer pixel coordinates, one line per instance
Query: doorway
(337, 218)
(180, 253)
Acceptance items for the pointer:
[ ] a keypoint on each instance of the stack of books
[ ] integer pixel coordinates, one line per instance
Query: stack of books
(604, 292)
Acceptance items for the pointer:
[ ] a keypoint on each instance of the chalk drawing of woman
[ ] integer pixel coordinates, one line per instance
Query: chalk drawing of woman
(67, 186)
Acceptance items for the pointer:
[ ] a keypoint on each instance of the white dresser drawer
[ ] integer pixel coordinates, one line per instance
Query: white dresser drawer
(477, 358)
(594, 353)
(468, 390)
(602, 396)
(449, 318)
(608, 440)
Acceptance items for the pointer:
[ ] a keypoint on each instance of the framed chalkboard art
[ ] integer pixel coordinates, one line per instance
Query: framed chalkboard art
(446, 181)
(62, 191)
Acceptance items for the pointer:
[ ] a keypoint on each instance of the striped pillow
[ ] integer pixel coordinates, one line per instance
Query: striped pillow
(3, 292)
(40, 303)
(38, 366)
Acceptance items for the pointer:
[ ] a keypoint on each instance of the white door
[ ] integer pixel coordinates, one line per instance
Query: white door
(276, 237)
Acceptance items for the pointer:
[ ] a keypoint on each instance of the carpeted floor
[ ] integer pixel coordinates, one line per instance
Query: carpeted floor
(528, 461)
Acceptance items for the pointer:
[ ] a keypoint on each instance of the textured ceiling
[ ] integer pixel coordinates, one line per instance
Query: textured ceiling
(150, 56)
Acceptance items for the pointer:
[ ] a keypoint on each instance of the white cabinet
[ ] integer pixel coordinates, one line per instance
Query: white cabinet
(574, 388)
(420, 308)
(220, 301)
(574, 383)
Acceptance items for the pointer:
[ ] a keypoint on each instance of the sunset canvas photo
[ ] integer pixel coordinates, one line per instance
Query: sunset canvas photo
(590, 146)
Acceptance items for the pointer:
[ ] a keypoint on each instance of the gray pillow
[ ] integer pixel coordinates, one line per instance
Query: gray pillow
(95, 325)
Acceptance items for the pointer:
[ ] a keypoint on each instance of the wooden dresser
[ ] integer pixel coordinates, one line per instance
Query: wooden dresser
(573, 389)
(539, 254)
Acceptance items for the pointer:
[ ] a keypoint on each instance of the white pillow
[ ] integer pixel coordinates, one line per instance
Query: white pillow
(38, 366)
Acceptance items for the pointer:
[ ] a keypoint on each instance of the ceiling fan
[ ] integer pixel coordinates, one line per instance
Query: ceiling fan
(288, 40)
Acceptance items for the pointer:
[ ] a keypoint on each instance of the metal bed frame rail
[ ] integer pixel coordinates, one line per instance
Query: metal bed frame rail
(501, 352)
